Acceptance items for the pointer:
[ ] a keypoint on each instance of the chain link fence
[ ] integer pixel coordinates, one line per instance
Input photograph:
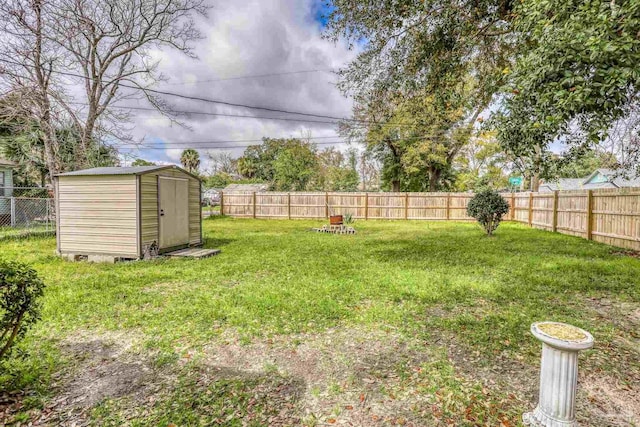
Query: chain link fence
(26, 211)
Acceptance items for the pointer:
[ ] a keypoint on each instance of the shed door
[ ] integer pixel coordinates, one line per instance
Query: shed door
(173, 211)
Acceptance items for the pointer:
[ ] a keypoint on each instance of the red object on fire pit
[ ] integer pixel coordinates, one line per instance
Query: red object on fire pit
(335, 220)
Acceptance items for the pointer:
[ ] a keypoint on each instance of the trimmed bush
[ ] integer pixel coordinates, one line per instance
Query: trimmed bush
(20, 293)
(488, 207)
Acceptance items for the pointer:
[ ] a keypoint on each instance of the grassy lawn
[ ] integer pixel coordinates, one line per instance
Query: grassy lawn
(8, 233)
(405, 323)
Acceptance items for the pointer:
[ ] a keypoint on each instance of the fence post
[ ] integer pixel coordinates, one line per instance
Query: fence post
(589, 214)
(530, 209)
(326, 204)
(554, 226)
(289, 205)
(513, 206)
(254, 204)
(13, 211)
(448, 206)
(406, 205)
(222, 203)
(366, 205)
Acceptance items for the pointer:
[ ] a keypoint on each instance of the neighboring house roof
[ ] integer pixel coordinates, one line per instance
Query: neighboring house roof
(563, 184)
(600, 178)
(617, 178)
(132, 170)
(4, 162)
(246, 188)
(212, 190)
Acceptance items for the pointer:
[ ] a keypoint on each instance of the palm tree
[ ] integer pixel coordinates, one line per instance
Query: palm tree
(190, 160)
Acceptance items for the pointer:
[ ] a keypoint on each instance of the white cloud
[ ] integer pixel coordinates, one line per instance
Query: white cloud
(252, 37)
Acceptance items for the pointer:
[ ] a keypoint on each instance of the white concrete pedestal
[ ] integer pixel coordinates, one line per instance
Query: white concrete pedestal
(558, 376)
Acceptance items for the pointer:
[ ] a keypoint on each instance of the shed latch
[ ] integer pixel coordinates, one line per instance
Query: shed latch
(161, 212)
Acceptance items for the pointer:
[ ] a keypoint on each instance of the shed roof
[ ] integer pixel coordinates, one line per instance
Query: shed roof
(116, 170)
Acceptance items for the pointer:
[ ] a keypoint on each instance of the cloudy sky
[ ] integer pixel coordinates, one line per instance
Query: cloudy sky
(256, 52)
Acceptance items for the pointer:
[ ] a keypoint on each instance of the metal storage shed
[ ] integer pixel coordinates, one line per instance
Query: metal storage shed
(127, 212)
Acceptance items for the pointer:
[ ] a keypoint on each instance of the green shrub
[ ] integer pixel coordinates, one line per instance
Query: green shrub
(20, 292)
(488, 207)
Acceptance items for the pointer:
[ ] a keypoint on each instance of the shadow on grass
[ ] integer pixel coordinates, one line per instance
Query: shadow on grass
(214, 396)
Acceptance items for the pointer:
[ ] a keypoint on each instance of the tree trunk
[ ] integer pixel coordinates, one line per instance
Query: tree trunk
(50, 157)
(535, 181)
(395, 184)
(50, 139)
(535, 174)
(434, 177)
(86, 137)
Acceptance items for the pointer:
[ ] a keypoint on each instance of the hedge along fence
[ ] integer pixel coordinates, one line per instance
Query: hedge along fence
(610, 216)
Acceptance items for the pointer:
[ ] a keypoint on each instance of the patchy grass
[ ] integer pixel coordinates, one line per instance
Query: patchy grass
(406, 323)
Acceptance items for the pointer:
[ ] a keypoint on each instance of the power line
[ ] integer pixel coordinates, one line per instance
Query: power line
(250, 76)
(204, 113)
(234, 104)
(242, 140)
(213, 101)
(189, 97)
(143, 147)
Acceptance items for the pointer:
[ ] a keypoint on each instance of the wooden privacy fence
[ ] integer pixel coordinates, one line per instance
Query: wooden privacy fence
(610, 216)
(427, 206)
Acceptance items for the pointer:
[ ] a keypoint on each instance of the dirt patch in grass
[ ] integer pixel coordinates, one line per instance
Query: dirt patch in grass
(220, 394)
(350, 373)
(617, 353)
(620, 312)
(511, 376)
(605, 401)
(609, 374)
(602, 400)
(100, 367)
(626, 252)
(363, 376)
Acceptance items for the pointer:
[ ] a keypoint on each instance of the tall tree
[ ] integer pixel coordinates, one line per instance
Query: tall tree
(584, 165)
(563, 70)
(575, 76)
(190, 160)
(222, 162)
(286, 164)
(295, 166)
(420, 59)
(26, 69)
(107, 43)
(431, 46)
(416, 139)
(22, 140)
(142, 162)
(336, 171)
(110, 43)
(369, 170)
(481, 163)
